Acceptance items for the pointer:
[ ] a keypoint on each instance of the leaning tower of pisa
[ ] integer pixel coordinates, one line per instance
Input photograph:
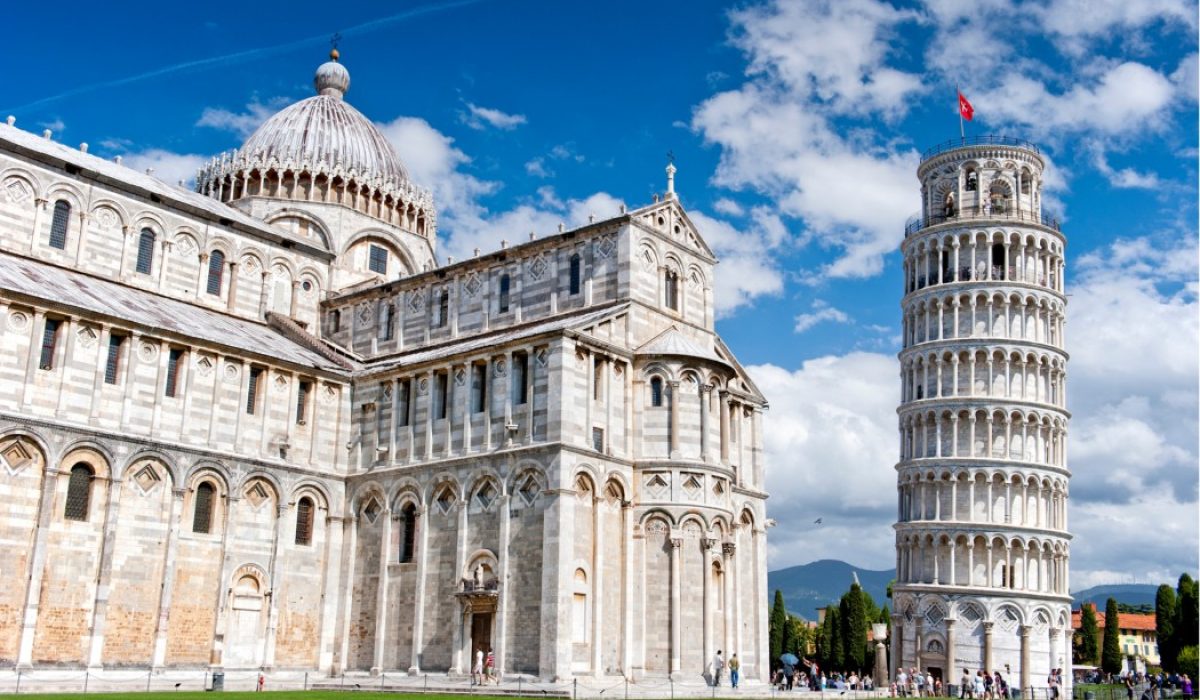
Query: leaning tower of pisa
(982, 546)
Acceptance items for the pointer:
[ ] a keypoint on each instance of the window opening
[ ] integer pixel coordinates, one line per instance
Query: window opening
(504, 293)
(598, 439)
(387, 322)
(302, 393)
(145, 254)
(252, 390)
(378, 259)
(443, 308)
(408, 526)
(441, 394)
(49, 343)
(203, 507)
(403, 402)
(520, 370)
(672, 289)
(216, 271)
(113, 363)
(79, 488)
(173, 358)
(304, 521)
(656, 392)
(478, 387)
(58, 225)
(575, 273)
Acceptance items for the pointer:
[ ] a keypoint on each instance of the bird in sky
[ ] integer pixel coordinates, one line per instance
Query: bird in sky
(817, 521)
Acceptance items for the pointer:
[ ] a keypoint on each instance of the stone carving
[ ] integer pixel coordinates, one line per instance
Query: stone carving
(147, 352)
(416, 298)
(231, 372)
(501, 367)
(16, 190)
(106, 218)
(87, 336)
(18, 320)
(204, 365)
(538, 266)
(605, 247)
(364, 312)
(473, 284)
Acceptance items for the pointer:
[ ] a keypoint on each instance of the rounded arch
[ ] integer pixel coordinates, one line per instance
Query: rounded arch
(27, 177)
(314, 490)
(262, 475)
(315, 224)
(68, 191)
(112, 205)
(92, 452)
(148, 454)
(389, 240)
(657, 514)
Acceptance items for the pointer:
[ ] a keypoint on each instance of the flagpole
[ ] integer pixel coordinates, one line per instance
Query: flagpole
(962, 133)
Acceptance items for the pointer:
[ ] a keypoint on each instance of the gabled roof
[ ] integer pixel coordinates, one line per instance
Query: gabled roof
(672, 203)
(672, 342)
(140, 185)
(565, 321)
(73, 290)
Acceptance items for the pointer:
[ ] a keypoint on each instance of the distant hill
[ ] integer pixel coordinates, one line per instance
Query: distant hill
(1129, 593)
(815, 585)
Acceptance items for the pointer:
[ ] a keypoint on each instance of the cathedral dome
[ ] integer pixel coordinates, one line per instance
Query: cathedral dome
(325, 129)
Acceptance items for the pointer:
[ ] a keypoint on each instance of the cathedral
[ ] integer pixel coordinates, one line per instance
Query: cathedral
(260, 425)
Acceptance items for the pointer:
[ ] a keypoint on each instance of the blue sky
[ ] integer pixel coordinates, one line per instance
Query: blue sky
(796, 127)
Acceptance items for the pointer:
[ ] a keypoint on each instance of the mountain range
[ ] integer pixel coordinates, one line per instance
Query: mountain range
(814, 585)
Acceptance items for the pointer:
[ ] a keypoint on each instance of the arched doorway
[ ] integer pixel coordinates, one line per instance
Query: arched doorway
(245, 633)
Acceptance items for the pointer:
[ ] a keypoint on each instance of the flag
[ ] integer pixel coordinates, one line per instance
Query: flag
(965, 108)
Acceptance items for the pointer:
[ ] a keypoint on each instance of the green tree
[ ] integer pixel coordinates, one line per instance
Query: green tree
(1164, 625)
(1110, 655)
(775, 628)
(1188, 662)
(798, 636)
(787, 642)
(1089, 635)
(856, 628)
(1187, 620)
(837, 654)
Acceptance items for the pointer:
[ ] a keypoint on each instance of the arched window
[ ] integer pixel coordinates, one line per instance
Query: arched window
(216, 270)
(656, 392)
(304, 521)
(671, 287)
(575, 273)
(504, 285)
(972, 181)
(408, 532)
(79, 491)
(579, 608)
(145, 254)
(202, 508)
(58, 225)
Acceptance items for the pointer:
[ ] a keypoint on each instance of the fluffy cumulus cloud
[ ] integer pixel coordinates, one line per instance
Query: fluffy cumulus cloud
(465, 223)
(810, 63)
(242, 123)
(830, 440)
(821, 312)
(748, 268)
(171, 168)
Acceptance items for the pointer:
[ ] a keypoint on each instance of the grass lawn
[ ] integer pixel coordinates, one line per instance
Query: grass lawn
(269, 695)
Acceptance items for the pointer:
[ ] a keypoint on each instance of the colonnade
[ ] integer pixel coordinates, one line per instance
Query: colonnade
(1004, 373)
(1010, 316)
(984, 257)
(1031, 436)
(966, 559)
(978, 496)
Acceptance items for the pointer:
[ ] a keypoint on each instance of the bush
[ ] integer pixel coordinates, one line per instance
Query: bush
(1188, 662)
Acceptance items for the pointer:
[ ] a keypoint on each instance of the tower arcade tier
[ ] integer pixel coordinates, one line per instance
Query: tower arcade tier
(982, 546)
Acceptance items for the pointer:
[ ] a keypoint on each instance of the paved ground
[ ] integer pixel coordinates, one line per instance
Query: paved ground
(138, 682)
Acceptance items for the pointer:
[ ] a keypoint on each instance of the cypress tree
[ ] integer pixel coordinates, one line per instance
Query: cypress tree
(1089, 635)
(837, 654)
(787, 642)
(1110, 656)
(1164, 625)
(856, 625)
(775, 627)
(1187, 620)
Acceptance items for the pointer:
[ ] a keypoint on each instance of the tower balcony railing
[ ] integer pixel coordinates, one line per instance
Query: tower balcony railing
(982, 140)
(986, 213)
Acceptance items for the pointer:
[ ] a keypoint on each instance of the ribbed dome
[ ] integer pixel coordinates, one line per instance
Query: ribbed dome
(326, 129)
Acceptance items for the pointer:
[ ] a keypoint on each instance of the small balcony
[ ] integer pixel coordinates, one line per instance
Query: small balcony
(987, 214)
(983, 140)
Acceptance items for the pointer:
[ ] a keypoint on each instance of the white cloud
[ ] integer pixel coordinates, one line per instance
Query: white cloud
(1187, 78)
(830, 52)
(1093, 18)
(1125, 178)
(821, 312)
(830, 445)
(169, 167)
(480, 118)
(537, 168)
(728, 207)
(241, 123)
(1125, 98)
(464, 221)
(747, 267)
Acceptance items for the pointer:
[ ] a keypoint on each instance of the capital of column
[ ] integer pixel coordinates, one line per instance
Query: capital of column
(728, 549)
(676, 542)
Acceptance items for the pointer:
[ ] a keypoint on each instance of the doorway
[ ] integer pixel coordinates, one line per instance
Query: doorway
(481, 633)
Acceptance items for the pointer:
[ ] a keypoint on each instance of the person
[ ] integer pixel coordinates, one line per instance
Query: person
(930, 687)
(852, 681)
(489, 667)
(718, 665)
(787, 675)
(477, 668)
(1129, 686)
(902, 683)
(734, 667)
(1052, 684)
(262, 681)
(999, 686)
(979, 686)
(1185, 684)
(966, 689)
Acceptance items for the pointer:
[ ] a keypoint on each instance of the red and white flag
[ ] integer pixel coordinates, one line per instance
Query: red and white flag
(965, 108)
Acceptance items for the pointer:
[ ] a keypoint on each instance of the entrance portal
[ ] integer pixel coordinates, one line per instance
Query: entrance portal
(481, 633)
